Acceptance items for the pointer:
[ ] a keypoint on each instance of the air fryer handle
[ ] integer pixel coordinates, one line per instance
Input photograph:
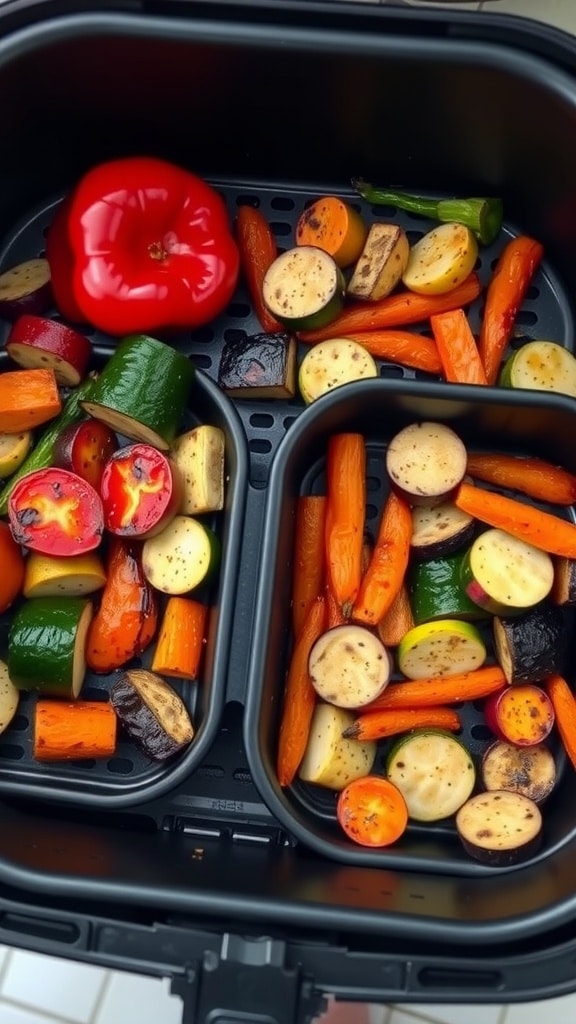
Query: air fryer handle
(247, 981)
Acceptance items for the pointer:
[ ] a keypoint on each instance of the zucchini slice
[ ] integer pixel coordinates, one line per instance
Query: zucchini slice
(46, 645)
(330, 364)
(443, 648)
(437, 591)
(349, 666)
(259, 366)
(440, 531)
(530, 771)
(182, 557)
(505, 575)
(532, 646)
(541, 366)
(499, 828)
(304, 288)
(434, 772)
(331, 759)
(426, 462)
(441, 260)
(142, 391)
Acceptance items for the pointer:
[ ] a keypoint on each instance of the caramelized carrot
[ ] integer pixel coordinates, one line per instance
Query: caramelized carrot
(541, 529)
(391, 721)
(73, 731)
(534, 477)
(457, 348)
(126, 619)
(334, 616)
(309, 556)
(334, 226)
(395, 311)
(299, 697)
(430, 692)
(181, 639)
(398, 619)
(345, 512)
(403, 347)
(504, 297)
(258, 250)
(564, 704)
(384, 576)
(28, 398)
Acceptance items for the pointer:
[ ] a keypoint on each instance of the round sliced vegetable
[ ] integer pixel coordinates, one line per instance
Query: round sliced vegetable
(46, 645)
(304, 288)
(504, 574)
(443, 648)
(25, 288)
(84, 448)
(331, 759)
(532, 646)
(541, 366)
(56, 512)
(12, 567)
(13, 450)
(372, 811)
(141, 490)
(48, 576)
(441, 260)
(35, 341)
(522, 714)
(334, 226)
(349, 666)
(9, 697)
(426, 462)
(498, 828)
(530, 771)
(182, 557)
(440, 531)
(330, 364)
(433, 771)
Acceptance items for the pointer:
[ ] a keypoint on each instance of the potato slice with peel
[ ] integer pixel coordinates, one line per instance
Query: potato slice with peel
(441, 260)
(330, 759)
(9, 697)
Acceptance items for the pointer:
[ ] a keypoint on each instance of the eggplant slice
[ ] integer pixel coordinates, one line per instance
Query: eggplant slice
(152, 713)
(532, 646)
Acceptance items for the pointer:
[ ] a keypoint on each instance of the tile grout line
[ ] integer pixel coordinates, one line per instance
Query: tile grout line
(5, 966)
(49, 1017)
(104, 987)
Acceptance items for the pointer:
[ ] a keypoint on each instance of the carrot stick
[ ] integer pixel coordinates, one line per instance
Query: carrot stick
(334, 614)
(73, 731)
(504, 297)
(423, 693)
(258, 251)
(391, 721)
(395, 311)
(28, 398)
(180, 639)
(385, 573)
(457, 348)
(564, 704)
(309, 555)
(541, 529)
(535, 477)
(398, 619)
(334, 226)
(299, 697)
(345, 512)
(403, 347)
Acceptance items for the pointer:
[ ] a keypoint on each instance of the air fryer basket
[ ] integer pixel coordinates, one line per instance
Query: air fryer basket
(276, 104)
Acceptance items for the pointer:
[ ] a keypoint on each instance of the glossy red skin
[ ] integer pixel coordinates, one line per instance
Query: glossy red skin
(61, 259)
(505, 715)
(152, 247)
(55, 512)
(84, 448)
(56, 339)
(141, 491)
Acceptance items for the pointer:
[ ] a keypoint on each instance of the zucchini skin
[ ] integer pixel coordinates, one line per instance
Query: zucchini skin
(41, 644)
(536, 643)
(437, 591)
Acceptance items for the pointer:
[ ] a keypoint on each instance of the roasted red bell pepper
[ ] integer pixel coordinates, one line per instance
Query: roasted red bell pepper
(61, 261)
(152, 248)
(55, 512)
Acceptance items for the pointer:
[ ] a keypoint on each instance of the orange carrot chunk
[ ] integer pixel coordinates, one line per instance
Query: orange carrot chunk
(391, 721)
(457, 348)
(258, 250)
(181, 639)
(73, 731)
(504, 297)
(393, 627)
(531, 476)
(403, 347)
(541, 529)
(28, 398)
(299, 697)
(443, 690)
(334, 226)
(387, 568)
(346, 484)
(564, 704)
(309, 556)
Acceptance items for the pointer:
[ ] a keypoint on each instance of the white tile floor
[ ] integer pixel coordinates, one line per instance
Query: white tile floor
(42, 990)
